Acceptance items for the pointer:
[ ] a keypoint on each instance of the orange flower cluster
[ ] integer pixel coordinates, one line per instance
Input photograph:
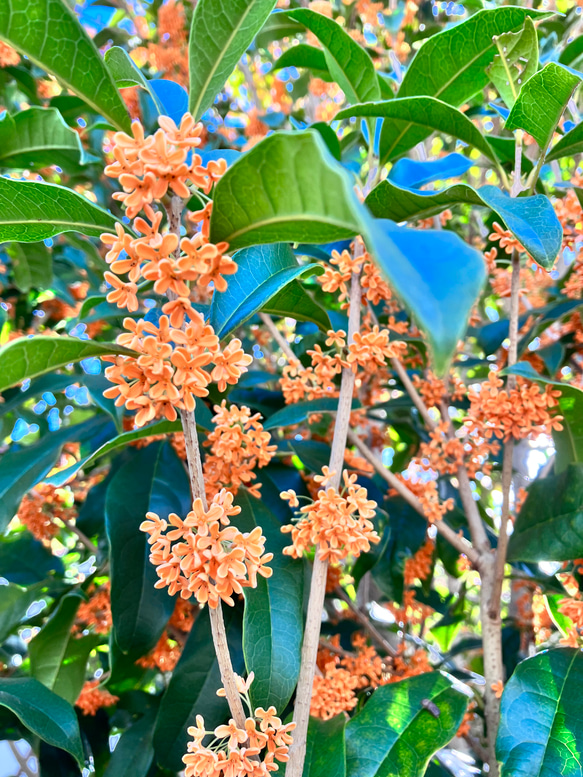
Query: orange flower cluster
(433, 390)
(92, 698)
(299, 383)
(238, 445)
(236, 752)
(170, 54)
(164, 655)
(336, 523)
(334, 691)
(198, 557)
(372, 283)
(372, 348)
(419, 566)
(426, 492)
(446, 455)
(9, 57)
(522, 412)
(38, 510)
(169, 372)
(96, 613)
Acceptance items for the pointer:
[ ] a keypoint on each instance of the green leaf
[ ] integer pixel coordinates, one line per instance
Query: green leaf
(29, 357)
(221, 32)
(532, 220)
(288, 188)
(562, 622)
(516, 61)
(263, 271)
(23, 468)
(134, 753)
(298, 412)
(193, 687)
(325, 749)
(43, 713)
(31, 211)
(153, 479)
(572, 51)
(304, 56)
(293, 301)
(549, 526)
(32, 266)
(452, 64)
(414, 118)
(395, 734)
(436, 275)
(49, 33)
(126, 73)
(276, 27)
(541, 103)
(273, 622)
(37, 138)
(541, 727)
(571, 143)
(14, 604)
(25, 561)
(348, 63)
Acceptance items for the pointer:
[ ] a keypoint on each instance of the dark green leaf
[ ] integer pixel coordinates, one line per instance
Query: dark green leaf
(549, 526)
(517, 62)
(39, 137)
(134, 753)
(32, 266)
(293, 301)
(221, 32)
(24, 560)
(43, 713)
(325, 750)
(273, 623)
(298, 412)
(31, 26)
(14, 603)
(572, 51)
(29, 357)
(395, 735)
(153, 479)
(571, 143)
(541, 725)
(304, 56)
(348, 63)
(193, 689)
(288, 188)
(412, 119)
(263, 271)
(276, 27)
(31, 211)
(541, 103)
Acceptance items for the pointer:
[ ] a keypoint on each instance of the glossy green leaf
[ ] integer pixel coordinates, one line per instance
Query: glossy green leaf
(221, 32)
(571, 143)
(23, 468)
(325, 749)
(43, 713)
(304, 56)
(277, 26)
(408, 120)
(515, 62)
(541, 103)
(572, 51)
(288, 188)
(395, 735)
(293, 301)
(153, 479)
(29, 357)
(51, 36)
(561, 621)
(126, 73)
(549, 526)
(532, 220)
(32, 266)
(299, 412)
(193, 687)
(263, 271)
(541, 726)
(348, 63)
(273, 622)
(26, 561)
(31, 211)
(436, 275)
(39, 137)
(134, 753)
(14, 604)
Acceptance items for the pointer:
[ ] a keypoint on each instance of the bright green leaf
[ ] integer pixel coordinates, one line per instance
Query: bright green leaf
(570, 144)
(32, 266)
(304, 56)
(126, 73)
(541, 727)
(153, 479)
(43, 713)
(221, 32)
(293, 301)
(298, 412)
(515, 62)
(273, 622)
(29, 357)
(263, 271)
(31, 211)
(561, 621)
(39, 137)
(541, 103)
(325, 749)
(408, 120)
(51, 36)
(395, 735)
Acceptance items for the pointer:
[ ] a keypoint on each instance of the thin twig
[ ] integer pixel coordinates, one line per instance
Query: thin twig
(279, 338)
(365, 622)
(413, 393)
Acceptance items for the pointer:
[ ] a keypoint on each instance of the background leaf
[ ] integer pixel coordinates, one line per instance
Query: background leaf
(43, 713)
(325, 749)
(153, 479)
(540, 716)
(517, 63)
(134, 753)
(221, 32)
(14, 604)
(571, 143)
(70, 55)
(395, 735)
(32, 266)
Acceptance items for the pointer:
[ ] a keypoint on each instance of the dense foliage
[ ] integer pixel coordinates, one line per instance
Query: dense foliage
(291, 366)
